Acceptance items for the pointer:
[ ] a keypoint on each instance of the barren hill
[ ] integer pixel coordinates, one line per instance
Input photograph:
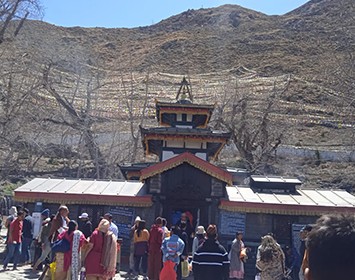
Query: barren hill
(308, 41)
(309, 52)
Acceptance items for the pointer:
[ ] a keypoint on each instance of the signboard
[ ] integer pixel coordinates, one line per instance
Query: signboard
(123, 217)
(37, 222)
(231, 222)
(37, 218)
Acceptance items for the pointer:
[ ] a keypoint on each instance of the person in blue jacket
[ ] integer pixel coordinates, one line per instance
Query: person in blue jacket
(173, 247)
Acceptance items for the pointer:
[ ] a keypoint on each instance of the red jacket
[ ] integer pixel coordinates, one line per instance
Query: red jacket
(155, 239)
(15, 231)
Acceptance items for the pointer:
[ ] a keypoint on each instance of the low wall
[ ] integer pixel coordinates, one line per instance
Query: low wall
(316, 154)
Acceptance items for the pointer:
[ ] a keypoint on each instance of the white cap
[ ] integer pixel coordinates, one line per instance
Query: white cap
(84, 216)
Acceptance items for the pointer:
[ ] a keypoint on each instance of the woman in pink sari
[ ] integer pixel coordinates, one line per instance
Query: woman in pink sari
(100, 262)
(69, 262)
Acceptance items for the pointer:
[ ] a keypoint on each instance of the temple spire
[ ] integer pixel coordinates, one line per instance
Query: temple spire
(184, 90)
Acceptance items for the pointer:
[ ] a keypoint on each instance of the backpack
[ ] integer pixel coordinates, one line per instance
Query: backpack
(61, 246)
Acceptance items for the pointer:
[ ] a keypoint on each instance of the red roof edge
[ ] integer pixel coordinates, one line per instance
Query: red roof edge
(83, 198)
(191, 159)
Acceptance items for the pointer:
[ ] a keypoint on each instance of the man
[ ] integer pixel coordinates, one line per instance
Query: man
(331, 249)
(185, 225)
(15, 239)
(85, 225)
(183, 236)
(59, 223)
(173, 247)
(210, 261)
(112, 227)
(154, 252)
(10, 218)
(27, 237)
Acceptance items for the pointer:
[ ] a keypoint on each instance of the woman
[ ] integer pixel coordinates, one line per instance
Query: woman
(100, 262)
(270, 259)
(70, 259)
(236, 263)
(59, 223)
(141, 238)
(199, 239)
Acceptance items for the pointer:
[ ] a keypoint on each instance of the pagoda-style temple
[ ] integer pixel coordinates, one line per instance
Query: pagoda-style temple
(184, 179)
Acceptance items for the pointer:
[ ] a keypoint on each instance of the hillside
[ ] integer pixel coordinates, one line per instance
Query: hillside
(307, 52)
(302, 42)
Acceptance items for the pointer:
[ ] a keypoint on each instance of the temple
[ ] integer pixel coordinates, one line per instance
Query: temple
(185, 179)
(184, 145)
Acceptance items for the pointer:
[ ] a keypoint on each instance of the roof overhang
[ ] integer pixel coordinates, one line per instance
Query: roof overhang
(120, 193)
(191, 159)
(307, 202)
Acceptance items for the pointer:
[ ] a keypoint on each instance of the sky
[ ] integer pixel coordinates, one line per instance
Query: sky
(134, 13)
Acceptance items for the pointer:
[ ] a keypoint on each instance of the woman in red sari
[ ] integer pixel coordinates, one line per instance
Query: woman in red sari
(69, 262)
(100, 262)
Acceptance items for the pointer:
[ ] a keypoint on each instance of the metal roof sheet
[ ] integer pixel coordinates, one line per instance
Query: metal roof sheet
(64, 186)
(304, 197)
(317, 197)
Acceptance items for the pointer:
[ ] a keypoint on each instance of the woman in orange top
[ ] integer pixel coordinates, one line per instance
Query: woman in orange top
(141, 238)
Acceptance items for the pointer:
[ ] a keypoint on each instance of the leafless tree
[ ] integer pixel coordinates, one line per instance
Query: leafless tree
(19, 10)
(80, 119)
(249, 119)
(136, 105)
(17, 88)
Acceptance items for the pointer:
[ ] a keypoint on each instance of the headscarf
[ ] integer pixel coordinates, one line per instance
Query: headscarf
(13, 211)
(103, 226)
(109, 254)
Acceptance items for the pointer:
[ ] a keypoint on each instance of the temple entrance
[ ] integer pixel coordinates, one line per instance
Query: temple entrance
(196, 212)
(186, 190)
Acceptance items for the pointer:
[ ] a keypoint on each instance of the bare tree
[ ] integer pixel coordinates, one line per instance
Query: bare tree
(136, 105)
(249, 119)
(81, 119)
(17, 88)
(20, 10)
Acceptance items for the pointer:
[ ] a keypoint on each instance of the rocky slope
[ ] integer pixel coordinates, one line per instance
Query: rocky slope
(310, 50)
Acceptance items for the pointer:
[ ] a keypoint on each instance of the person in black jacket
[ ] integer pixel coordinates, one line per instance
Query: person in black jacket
(184, 237)
(210, 261)
(85, 225)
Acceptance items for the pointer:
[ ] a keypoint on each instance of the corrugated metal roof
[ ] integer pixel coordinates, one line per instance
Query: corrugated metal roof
(84, 191)
(305, 201)
(39, 185)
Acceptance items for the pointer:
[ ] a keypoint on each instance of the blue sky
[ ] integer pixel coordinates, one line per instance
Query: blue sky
(134, 13)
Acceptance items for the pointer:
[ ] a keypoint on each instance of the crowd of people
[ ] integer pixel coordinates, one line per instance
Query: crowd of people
(327, 249)
(62, 240)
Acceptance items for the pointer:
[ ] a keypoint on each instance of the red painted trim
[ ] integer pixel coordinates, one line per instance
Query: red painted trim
(83, 197)
(182, 158)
